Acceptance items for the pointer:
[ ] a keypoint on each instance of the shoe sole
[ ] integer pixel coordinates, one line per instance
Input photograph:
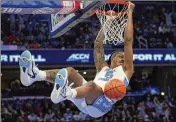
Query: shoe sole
(61, 80)
(25, 59)
(25, 62)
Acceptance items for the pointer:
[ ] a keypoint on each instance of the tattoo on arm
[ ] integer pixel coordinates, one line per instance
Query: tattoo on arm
(99, 58)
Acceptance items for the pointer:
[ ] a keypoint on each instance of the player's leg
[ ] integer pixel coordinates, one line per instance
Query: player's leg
(65, 77)
(89, 90)
(73, 76)
(29, 72)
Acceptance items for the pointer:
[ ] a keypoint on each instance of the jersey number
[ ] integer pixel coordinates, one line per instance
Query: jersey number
(108, 75)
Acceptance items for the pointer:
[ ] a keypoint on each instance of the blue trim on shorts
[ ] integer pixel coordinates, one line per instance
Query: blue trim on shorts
(103, 104)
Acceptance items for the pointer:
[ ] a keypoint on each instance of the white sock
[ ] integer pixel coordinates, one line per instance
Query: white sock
(41, 75)
(74, 93)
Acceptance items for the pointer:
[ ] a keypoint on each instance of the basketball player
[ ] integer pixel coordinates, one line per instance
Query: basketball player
(89, 96)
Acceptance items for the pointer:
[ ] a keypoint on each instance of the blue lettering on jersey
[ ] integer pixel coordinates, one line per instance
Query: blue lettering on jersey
(108, 75)
(103, 104)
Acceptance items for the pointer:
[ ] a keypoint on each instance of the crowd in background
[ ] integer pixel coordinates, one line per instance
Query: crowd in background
(154, 27)
(148, 109)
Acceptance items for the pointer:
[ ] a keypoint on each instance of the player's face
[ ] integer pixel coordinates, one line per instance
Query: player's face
(118, 59)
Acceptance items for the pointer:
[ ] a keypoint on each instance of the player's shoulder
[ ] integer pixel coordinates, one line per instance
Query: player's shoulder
(120, 67)
(105, 67)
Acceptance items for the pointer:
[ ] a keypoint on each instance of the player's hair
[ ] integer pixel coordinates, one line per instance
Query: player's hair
(112, 55)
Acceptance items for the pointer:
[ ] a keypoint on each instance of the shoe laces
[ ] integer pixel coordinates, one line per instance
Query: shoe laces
(35, 67)
(64, 94)
(71, 85)
(68, 90)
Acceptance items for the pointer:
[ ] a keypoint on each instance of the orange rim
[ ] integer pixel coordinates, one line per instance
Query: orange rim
(116, 1)
(111, 2)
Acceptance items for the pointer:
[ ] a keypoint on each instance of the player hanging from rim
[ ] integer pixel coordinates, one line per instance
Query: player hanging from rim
(89, 96)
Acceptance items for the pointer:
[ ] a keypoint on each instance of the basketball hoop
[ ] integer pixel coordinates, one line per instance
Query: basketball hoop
(113, 18)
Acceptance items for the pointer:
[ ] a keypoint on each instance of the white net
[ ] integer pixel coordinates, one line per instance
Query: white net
(113, 18)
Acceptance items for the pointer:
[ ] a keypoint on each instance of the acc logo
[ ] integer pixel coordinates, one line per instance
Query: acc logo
(45, 10)
(78, 57)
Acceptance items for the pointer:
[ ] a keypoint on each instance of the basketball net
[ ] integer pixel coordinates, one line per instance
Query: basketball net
(113, 18)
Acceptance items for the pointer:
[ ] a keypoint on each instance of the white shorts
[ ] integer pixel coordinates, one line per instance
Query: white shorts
(87, 109)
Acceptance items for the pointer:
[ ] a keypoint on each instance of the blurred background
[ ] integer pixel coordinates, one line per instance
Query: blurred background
(151, 93)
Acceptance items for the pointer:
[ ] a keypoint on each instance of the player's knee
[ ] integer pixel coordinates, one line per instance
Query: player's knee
(91, 85)
(70, 71)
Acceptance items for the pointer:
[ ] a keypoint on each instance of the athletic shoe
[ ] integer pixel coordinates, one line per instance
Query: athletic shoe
(56, 97)
(61, 82)
(61, 90)
(58, 93)
(28, 69)
(69, 93)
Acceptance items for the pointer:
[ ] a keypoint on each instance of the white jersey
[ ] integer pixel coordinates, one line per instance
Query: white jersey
(101, 105)
(107, 74)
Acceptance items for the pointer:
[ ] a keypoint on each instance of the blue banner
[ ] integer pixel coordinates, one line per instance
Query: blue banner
(85, 57)
(39, 6)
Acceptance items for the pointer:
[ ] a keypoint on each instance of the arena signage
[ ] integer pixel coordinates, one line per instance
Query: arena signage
(44, 10)
(82, 57)
(11, 10)
(39, 6)
(85, 57)
(15, 58)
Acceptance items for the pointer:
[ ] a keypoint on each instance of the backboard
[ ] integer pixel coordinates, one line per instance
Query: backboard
(62, 21)
(64, 14)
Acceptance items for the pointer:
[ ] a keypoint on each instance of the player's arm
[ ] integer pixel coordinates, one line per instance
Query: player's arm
(128, 43)
(99, 58)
